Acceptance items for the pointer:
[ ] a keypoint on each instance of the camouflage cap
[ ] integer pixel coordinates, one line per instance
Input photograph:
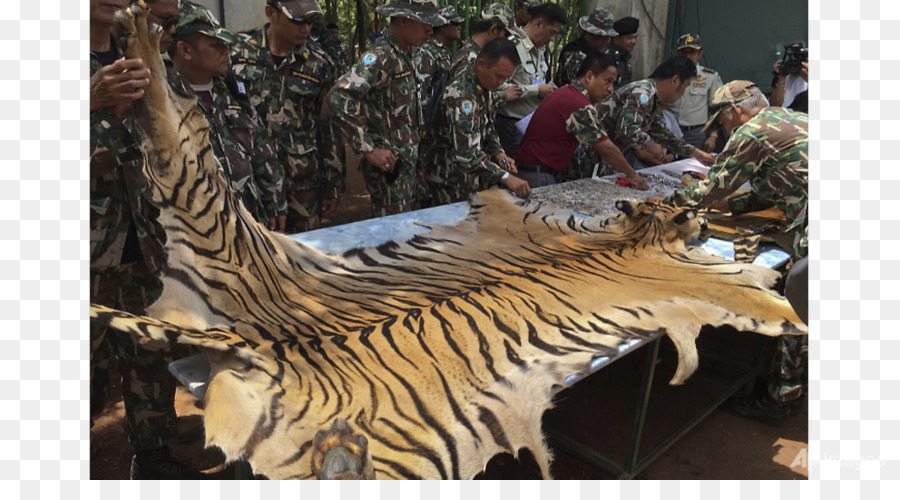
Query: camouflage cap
(599, 23)
(449, 14)
(195, 18)
(731, 93)
(500, 11)
(423, 11)
(297, 10)
(689, 41)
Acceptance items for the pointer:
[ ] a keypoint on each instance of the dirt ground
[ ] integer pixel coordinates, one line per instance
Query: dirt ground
(598, 411)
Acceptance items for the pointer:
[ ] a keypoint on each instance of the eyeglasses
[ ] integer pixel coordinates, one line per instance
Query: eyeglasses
(306, 20)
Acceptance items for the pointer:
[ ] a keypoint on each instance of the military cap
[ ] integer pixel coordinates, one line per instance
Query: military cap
(731, 93)
(599, 23)
(449, 14)
(502, 12)
(689, 41)
(423, 11)
(297, 10)
(195, 18)
(626, 25)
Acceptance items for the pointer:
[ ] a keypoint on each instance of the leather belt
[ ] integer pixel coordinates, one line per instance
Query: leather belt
(692, 127)
(538, 169)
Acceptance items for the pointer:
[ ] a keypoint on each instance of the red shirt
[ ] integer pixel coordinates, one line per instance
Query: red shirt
(547, 141)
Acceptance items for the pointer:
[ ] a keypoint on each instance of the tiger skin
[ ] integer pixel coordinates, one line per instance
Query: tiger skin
(442, 351)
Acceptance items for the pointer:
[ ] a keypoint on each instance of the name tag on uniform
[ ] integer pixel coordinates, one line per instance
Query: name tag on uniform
(245, 60)
(235, 107)
(306, 77)
(402, 75)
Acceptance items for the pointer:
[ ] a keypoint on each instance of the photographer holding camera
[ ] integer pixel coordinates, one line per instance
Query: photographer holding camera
(791, 79)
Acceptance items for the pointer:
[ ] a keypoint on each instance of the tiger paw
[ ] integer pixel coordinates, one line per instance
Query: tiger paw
(338, 453)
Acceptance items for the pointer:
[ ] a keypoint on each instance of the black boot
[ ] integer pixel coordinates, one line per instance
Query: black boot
(158, 464)
(759, 407)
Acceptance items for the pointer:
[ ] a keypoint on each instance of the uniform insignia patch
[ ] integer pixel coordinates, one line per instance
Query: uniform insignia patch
(369, 58)
(644, 98)
(467, 107)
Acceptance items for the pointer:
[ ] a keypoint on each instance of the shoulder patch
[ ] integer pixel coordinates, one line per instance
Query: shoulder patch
(707, 70)
(467, 106)
(369, 58)
(644, 98)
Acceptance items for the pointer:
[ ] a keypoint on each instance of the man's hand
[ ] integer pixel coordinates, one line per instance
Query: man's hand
(638, 182)
(804, 71)
(650, 155)
(710, 143)
(329, 205)
(381, 158)
(518, 186)
(721, 206)
(278, 223)
(507, 163)
(544, 89)
(513, 92)
(703, 157)
(118, 85)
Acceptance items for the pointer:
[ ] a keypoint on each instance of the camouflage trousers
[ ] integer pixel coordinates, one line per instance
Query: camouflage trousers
(582, 164)
(304, 212)
(390, 196)
(148, 389)
(789, 377)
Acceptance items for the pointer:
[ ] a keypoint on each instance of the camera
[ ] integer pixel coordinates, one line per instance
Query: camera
(795, 55)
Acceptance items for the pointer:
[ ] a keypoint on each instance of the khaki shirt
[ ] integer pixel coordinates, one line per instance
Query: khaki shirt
(693, 107)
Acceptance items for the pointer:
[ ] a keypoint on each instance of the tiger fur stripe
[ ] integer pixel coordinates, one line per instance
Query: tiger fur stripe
(442, 351)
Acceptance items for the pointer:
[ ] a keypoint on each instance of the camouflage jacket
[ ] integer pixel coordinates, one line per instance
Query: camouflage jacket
(289, 98)
(466, 142)
(244, 153)
(571, 57)
(432, 61)
(632, 113)
(118, 194)
(463, 60)
(377, 101)
(623, 66)
(769, 152)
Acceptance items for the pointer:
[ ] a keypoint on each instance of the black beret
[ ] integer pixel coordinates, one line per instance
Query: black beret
(626, 25)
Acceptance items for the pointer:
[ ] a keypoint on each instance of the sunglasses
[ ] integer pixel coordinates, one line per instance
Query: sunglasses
(307, 20)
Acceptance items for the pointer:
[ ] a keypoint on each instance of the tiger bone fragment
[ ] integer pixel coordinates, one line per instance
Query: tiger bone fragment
(441, 351)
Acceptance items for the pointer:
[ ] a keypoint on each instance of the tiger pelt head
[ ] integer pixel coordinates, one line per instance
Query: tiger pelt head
(657, 224)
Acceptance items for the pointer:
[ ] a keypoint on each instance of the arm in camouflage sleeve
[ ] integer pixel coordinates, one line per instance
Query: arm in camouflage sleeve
(584, 124)
(735, 166)
(662, 135)
(346, 103)
(629, 127)
(268, 172)
(465, 152)
(331, 143)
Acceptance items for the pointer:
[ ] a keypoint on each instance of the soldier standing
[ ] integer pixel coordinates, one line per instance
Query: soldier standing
(622, 46)
(632, 114)
(126, 246)
(495, 22)
(467, 153)
(692, 109)
(597, 32)
(240, 142)
(287, 79)
(768, 147)
(377, 104)
(433, 58)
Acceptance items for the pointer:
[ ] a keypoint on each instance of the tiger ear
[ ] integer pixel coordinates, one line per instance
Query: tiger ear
(626, 207)
(685, 216)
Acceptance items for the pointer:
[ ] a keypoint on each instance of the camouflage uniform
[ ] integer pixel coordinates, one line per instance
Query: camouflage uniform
(241, 145)
(377, 103)
(289, 97)
(599, 23)
(126, 246)
(632, 113)
(464, 57)
(465, 142)
(432, 61)
(771, 152)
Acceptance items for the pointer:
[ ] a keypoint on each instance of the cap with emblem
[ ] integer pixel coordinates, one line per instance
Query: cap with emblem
(500, 11)
(689, 41)
(599, 23)
(423, 11)
(195, 18)
(626, 25)
(298, 10)
(731, 93)
(449, 14)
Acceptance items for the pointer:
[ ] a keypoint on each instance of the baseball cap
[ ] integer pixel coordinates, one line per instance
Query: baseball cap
(502, 12)
(297, 10)
(194, 18)
(689, 41)
(449, 14)
(423, 11)
(731, 93)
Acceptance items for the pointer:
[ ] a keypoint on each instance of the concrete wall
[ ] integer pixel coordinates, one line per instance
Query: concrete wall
(651, 44)
(239, 15)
